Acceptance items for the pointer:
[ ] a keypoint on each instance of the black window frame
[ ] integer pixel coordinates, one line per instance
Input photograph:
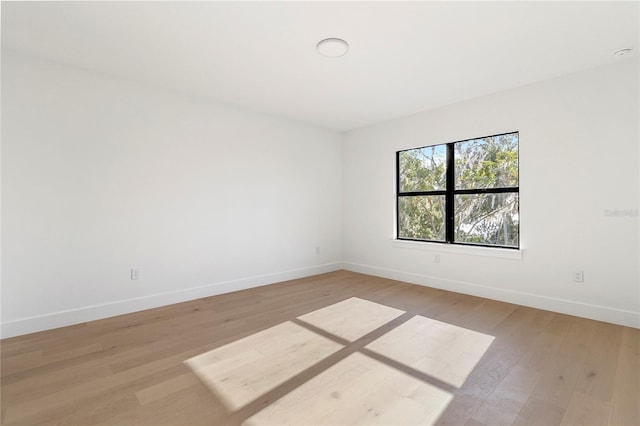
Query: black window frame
(450, 192)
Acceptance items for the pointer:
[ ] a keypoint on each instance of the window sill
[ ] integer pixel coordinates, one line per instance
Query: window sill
(459, 249)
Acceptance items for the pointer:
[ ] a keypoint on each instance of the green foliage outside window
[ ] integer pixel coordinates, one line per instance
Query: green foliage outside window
(485, 194)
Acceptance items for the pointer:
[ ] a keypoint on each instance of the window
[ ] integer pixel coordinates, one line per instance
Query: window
(460, 193)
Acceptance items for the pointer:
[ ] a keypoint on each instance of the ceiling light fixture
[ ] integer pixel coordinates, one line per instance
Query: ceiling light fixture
(332, 47)
(622, 52)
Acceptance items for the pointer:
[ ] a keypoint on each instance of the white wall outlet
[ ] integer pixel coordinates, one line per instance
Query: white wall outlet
(578, 276)
(436, 258)
(317, 249)
(135, 273)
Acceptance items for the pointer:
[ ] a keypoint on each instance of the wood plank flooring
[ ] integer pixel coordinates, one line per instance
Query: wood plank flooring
(337, 348)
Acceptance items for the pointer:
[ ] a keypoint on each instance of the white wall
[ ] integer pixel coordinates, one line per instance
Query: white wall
(101, 175)
(579, 155)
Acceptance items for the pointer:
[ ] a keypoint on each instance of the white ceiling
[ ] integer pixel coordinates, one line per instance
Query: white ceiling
(404, 57)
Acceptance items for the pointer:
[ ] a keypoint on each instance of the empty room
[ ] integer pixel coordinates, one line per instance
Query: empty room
(320, 213)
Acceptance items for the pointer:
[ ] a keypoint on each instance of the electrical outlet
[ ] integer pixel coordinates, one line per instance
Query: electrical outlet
(578, 276)
(436, 258)
(317, 249)
(135, 273)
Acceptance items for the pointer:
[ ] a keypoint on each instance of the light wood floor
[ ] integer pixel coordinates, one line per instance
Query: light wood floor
(332, 349)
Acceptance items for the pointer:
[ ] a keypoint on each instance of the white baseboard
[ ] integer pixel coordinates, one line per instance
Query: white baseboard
(95, 312)
(596, 312)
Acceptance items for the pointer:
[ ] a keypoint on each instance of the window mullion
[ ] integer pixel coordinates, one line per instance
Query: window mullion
(421, 193)
(449, 198)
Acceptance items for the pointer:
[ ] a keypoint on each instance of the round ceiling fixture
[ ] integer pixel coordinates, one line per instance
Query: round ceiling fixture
(332, 47)
(622, 52)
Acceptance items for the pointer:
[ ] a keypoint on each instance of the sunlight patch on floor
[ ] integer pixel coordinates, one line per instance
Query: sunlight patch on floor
(357, 390)
(405, 376)
(242, 371)
(352, 318)
(446, 352)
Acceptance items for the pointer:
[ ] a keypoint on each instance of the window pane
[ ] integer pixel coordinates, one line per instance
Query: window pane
(490, 162)
(487, 219)
(421, 217)
(423, 169)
